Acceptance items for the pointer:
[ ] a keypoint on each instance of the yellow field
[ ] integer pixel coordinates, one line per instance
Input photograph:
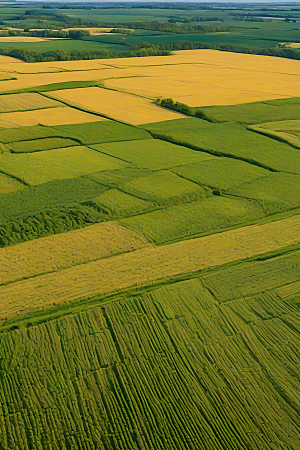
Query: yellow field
(25, 102)
(20, 39)
(68, 249)
(146, 265)
(195, 77)
(53, 116)
(291, 44)
(96, 31)
(118, 105)
(9, 59)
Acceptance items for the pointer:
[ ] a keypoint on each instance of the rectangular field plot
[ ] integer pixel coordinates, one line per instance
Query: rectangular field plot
(165, 188)
(51, 195)
(49, 117)
(276, 192)
(41, 167)
(25, 102)
(102, 131)
(221, 173)
(286, 131)
(205, 216)
(40, 144)
(115, 178)
(152, 154)
(8, 135)
(8, 184)
(121, 204)
(118, 105)
(146, 265)
(254, 277)
(252, 113)
(230, 139)
(56, 252)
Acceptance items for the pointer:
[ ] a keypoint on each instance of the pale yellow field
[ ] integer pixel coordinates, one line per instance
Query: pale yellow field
(146, 265)
(9, 60)
(291, 44)
(25, 102)
(118, 105)
(195, 77)
(20, 39)
(68, 249)
(96, 31)
(53, 116)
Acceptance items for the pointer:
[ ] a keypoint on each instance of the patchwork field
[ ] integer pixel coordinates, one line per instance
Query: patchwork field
(150, 261)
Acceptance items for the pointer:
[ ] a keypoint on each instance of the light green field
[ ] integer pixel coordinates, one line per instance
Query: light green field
(230, 139)
(115, 178)
(152, 154)
(206, 216)
(8, 184)
(276, 192)
(286, 131)
(165, 188)
(121, 204)
(41, 167)
(40, 144)
(220, 173)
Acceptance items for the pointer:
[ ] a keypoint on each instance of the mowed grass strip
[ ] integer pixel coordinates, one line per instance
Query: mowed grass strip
(47, 196)
(71, 162)
(165, 188)
(8, 184)
(121, 204)
(276, 192)
(147, 265)
(229, 139)
(220, 173)
(118, 105)
(76, 247)
(40, 145)
(205, 216)
(152, 154)
(25, 102)
(286, 131)
(49, 117)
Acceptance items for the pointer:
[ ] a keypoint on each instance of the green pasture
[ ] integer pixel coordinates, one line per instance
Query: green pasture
(286, 131)
(203, 217)
(116, 178)
(40, 144)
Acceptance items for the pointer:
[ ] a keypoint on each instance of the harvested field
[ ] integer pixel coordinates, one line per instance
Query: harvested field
(276, 192)
(121, 204)
(118, 105)
(206, 216)
(160, 154)
(25, 102)
(13, 39)
(71, 162)
(8, 184)
(286, 131)
(56, 252)
(229, 139)
(146, 266)
(220, 173)
(49, 117)
(165, 188)
(40, 144)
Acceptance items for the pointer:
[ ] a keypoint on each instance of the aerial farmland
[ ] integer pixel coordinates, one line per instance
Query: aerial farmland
(149, 227)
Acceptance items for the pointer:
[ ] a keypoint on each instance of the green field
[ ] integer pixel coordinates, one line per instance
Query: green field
(229, 139)
(40, 144)
(286, 131)
(197, 218)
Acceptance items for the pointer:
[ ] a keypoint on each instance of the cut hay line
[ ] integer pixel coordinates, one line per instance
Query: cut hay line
(70, 162)
(25, 102)
(147, 266)
(48, 117)
(53, 253)
(118, 105)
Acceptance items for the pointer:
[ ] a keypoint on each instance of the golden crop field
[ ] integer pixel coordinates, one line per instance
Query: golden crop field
(76, 247)
(146, 265)
(95, 31)
(53, 116)
(25, 102)
(20, 39)
(195, 77)
(118, 105)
